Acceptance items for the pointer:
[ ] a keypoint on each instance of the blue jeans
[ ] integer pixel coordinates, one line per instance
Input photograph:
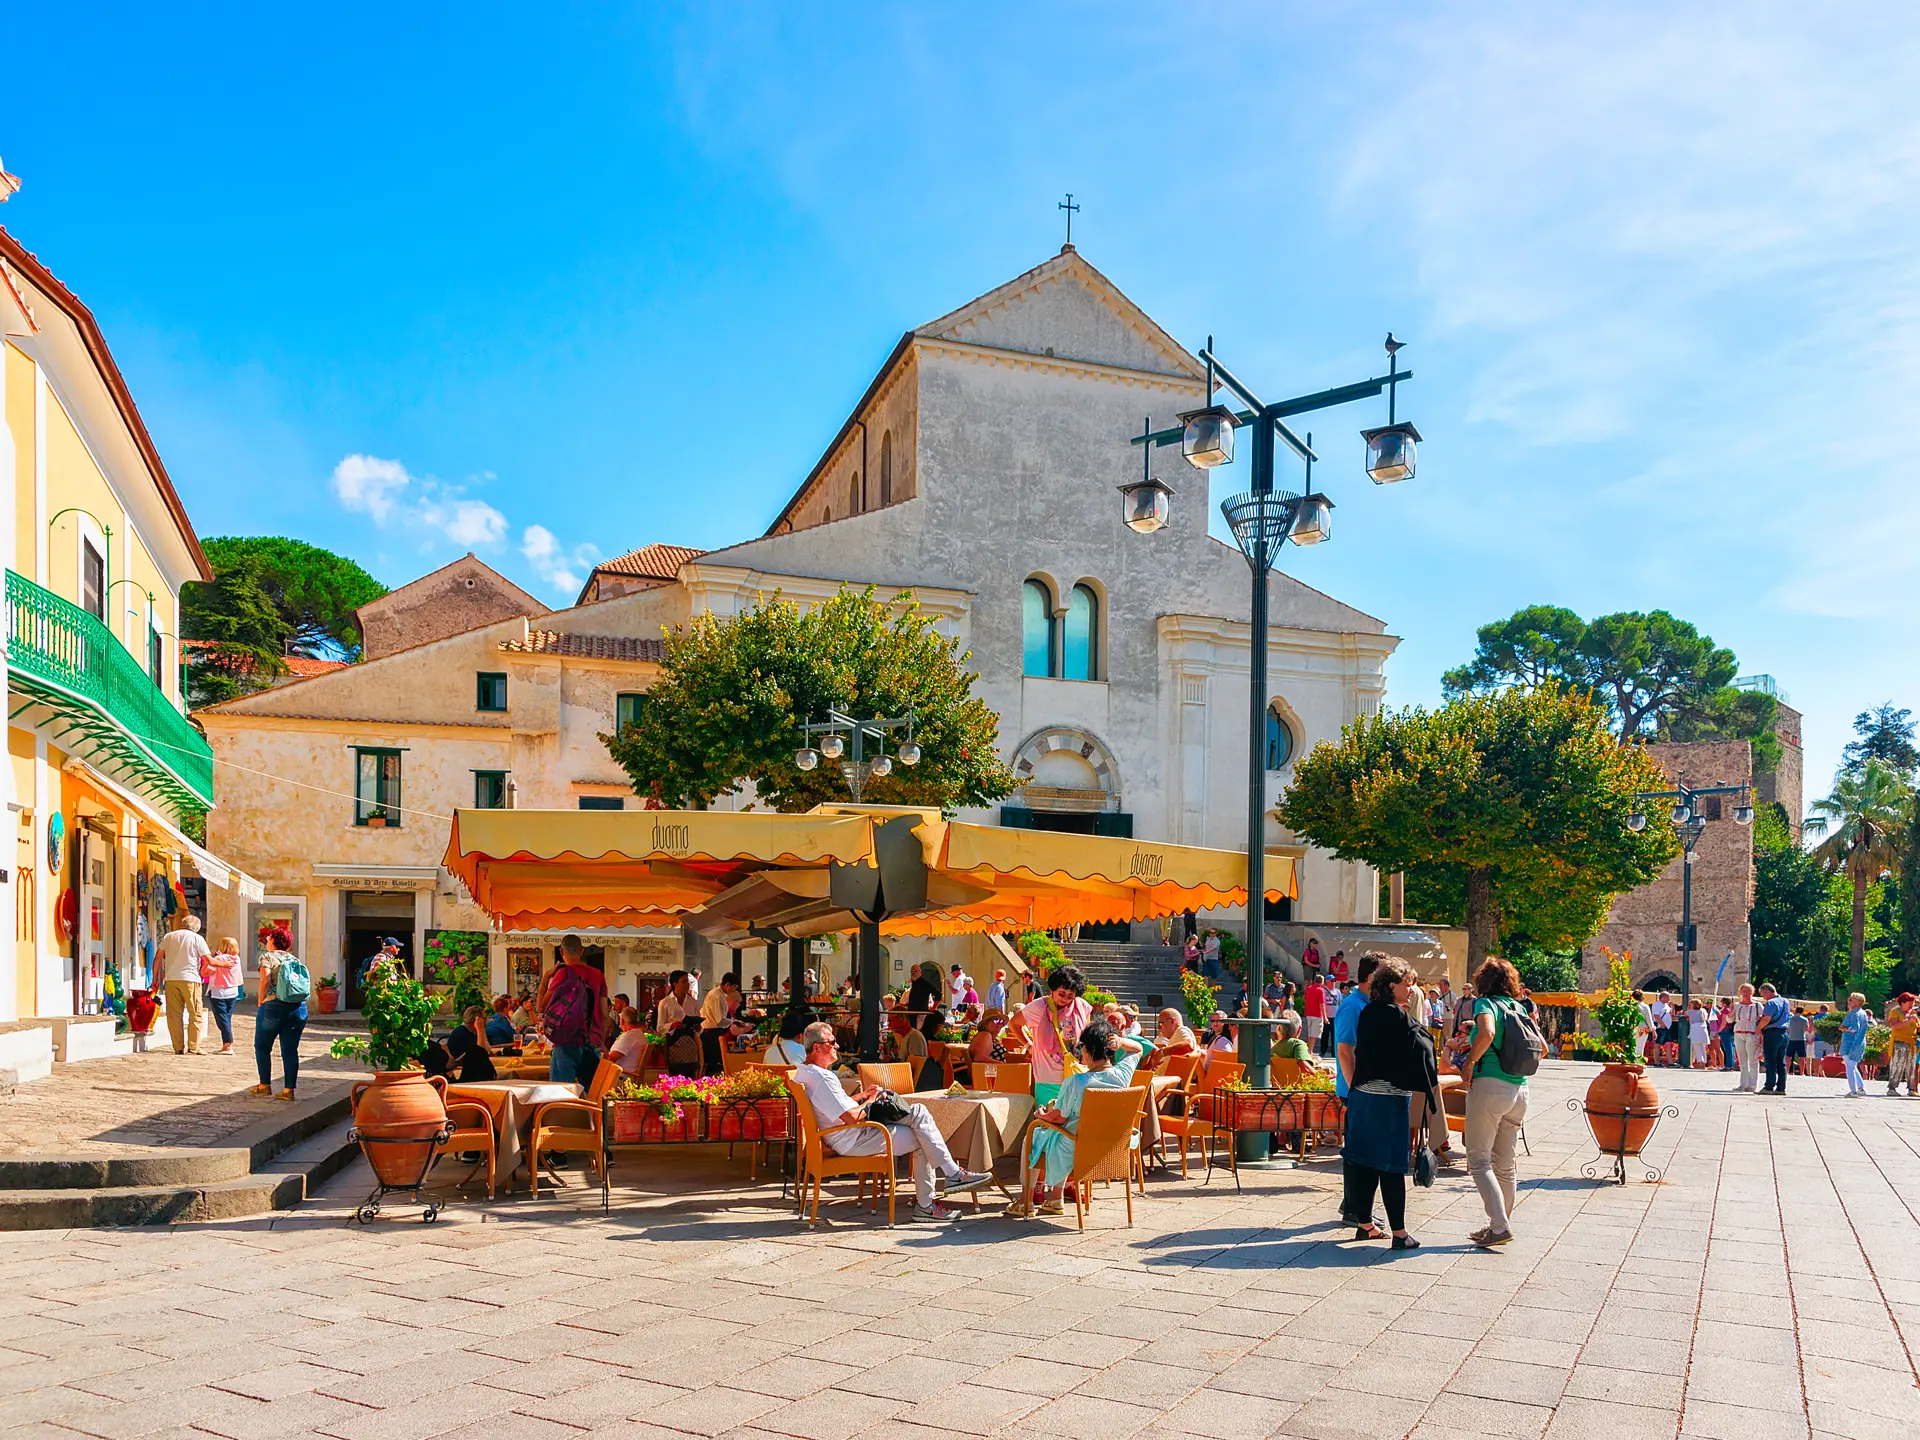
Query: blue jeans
(1729, 1059)
(277, 1020)
(1773, 1047)
(223, 1016)
(575, 1063)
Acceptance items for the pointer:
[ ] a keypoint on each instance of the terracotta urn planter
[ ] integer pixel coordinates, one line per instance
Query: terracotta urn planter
(747, 1119)
(639, 1122)
(401, 1112)
(1622, 1106)
(328, 998)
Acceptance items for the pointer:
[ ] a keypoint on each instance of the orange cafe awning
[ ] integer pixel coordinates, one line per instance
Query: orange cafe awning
(733, 873)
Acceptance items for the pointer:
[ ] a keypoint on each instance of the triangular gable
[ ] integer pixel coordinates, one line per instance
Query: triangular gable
(1068, 309)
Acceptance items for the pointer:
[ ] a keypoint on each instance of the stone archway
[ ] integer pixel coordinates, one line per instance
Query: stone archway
(1658, 980)
(1046, 748)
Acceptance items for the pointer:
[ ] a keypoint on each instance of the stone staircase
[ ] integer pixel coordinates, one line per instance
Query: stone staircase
(269, 1167)
(1143, 975)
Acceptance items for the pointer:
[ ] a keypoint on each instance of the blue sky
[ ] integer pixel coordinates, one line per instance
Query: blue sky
(1656, 264)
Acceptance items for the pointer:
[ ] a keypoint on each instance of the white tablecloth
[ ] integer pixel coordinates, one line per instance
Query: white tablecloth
(517, 1100)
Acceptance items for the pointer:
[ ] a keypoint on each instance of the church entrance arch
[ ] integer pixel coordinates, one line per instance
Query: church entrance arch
(1069, 781)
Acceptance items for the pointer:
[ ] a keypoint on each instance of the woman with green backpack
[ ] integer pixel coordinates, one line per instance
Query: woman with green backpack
(282, 1013)
(1504, 1048)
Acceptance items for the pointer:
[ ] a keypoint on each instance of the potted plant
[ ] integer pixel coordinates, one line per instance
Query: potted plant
(377, 820)
(328, 995)
(1622, 1103)
(400, 1104)
(749, 1105)
(667, 1111)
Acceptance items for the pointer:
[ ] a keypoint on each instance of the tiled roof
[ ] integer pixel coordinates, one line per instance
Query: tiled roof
(304, 666)
(656, 562)
(587, 647)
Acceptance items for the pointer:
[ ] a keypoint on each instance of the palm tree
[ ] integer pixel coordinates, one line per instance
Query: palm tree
(1868, 814)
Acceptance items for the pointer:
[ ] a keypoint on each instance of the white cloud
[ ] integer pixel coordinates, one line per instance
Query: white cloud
(553, 563)
(384, 490)
(369, 484)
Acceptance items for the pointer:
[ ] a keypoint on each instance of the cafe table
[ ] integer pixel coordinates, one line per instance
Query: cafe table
(979, 1126)
(512, 1104)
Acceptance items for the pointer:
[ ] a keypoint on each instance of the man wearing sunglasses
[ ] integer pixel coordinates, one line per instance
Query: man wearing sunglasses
(916, 1135)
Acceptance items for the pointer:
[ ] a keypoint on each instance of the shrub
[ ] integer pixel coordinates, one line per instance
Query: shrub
(399, 1014)
(1200, 997)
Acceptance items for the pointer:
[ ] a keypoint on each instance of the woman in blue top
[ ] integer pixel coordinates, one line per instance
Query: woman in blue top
(1110, 1060)
(1853, 1041)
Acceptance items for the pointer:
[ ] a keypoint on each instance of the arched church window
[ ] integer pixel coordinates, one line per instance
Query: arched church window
(1040, 651)
(1279, 739)
(1080, 658)
(853, 494)
(886, 468)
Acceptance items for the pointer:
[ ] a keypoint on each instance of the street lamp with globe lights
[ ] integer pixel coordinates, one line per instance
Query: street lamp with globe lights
(1263, 520)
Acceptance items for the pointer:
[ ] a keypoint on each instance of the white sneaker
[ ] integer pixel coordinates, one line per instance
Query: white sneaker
(965, 1180)
(935, 1211)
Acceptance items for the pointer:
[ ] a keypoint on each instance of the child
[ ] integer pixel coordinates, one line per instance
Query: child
(221, 974)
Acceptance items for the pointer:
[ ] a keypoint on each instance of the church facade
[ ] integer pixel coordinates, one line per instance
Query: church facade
(980, 471)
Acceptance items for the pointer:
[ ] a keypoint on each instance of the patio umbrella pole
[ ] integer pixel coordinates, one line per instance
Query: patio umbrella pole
(870, 982)
(796, 973)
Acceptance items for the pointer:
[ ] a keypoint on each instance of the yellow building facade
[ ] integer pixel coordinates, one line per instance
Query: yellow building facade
(105, 774)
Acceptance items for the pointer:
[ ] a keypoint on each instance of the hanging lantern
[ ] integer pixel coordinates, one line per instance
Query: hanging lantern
(1143, 506)
(1312, 520)
(1636, 822)
(1743, 814)
(910, 754)
(1208, 440)
(833, 747)
(806, 758)
(882, 766)
(1390, 452)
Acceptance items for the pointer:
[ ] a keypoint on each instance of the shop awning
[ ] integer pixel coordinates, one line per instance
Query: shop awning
(738, 876)
(209, 866)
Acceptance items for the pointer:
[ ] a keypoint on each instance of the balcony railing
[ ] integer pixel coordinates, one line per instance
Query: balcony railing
(100, 698)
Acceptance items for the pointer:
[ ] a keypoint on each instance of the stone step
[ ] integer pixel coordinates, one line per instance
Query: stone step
(279, 1185)
(1145, 975)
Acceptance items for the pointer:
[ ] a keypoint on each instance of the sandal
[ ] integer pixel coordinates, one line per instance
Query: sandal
(1051, 1207)
(285, 1095)
(260, 1090)
(1405, 1242)
(1019, 1210)
(1369, 1232)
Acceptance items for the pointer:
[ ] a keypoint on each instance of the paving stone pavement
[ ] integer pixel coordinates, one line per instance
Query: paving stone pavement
(1768, 1288)
(123, 1104)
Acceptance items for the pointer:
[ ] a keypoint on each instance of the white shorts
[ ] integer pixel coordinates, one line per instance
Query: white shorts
(1312, 1025)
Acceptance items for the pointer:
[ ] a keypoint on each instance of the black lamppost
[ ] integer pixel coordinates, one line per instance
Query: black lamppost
(1263, 519)
(838, 735)
(1690, 825)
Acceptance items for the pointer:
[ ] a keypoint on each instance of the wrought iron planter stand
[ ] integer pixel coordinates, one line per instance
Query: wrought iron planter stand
(1292, 1112)
(370, 1207)
(1616, 1160)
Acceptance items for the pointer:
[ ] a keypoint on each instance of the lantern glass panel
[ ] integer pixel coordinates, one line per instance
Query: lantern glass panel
(1313, 522)
(1144, 508)
(806, 759)
(882, 766)
(1208, 440)
(1390, 456)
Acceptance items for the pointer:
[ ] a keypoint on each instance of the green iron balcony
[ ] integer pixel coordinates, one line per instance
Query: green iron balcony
(99, 701)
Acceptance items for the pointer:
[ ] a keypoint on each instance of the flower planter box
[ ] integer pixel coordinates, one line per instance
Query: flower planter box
(637, 1122)
(1282, 1110)
(747, 1119)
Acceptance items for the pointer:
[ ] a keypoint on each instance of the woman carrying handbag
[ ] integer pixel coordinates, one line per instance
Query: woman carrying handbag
(1393, 1072)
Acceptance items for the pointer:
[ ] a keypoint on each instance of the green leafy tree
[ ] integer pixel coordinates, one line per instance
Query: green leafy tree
(315, 591)
(1885, 734)
(1910, 895)
(1820, 940)
(1865, 821)
(1658, 676)
(1524, 793)
(734, 693)
(1546, 971)
(236, 637)
(1788, 887)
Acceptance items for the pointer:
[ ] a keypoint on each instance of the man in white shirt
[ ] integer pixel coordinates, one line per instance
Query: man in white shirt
(180, 952)
(997, 992)
(716, 1020)
(917, 1134)
(957, 984)
(676, 1005)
